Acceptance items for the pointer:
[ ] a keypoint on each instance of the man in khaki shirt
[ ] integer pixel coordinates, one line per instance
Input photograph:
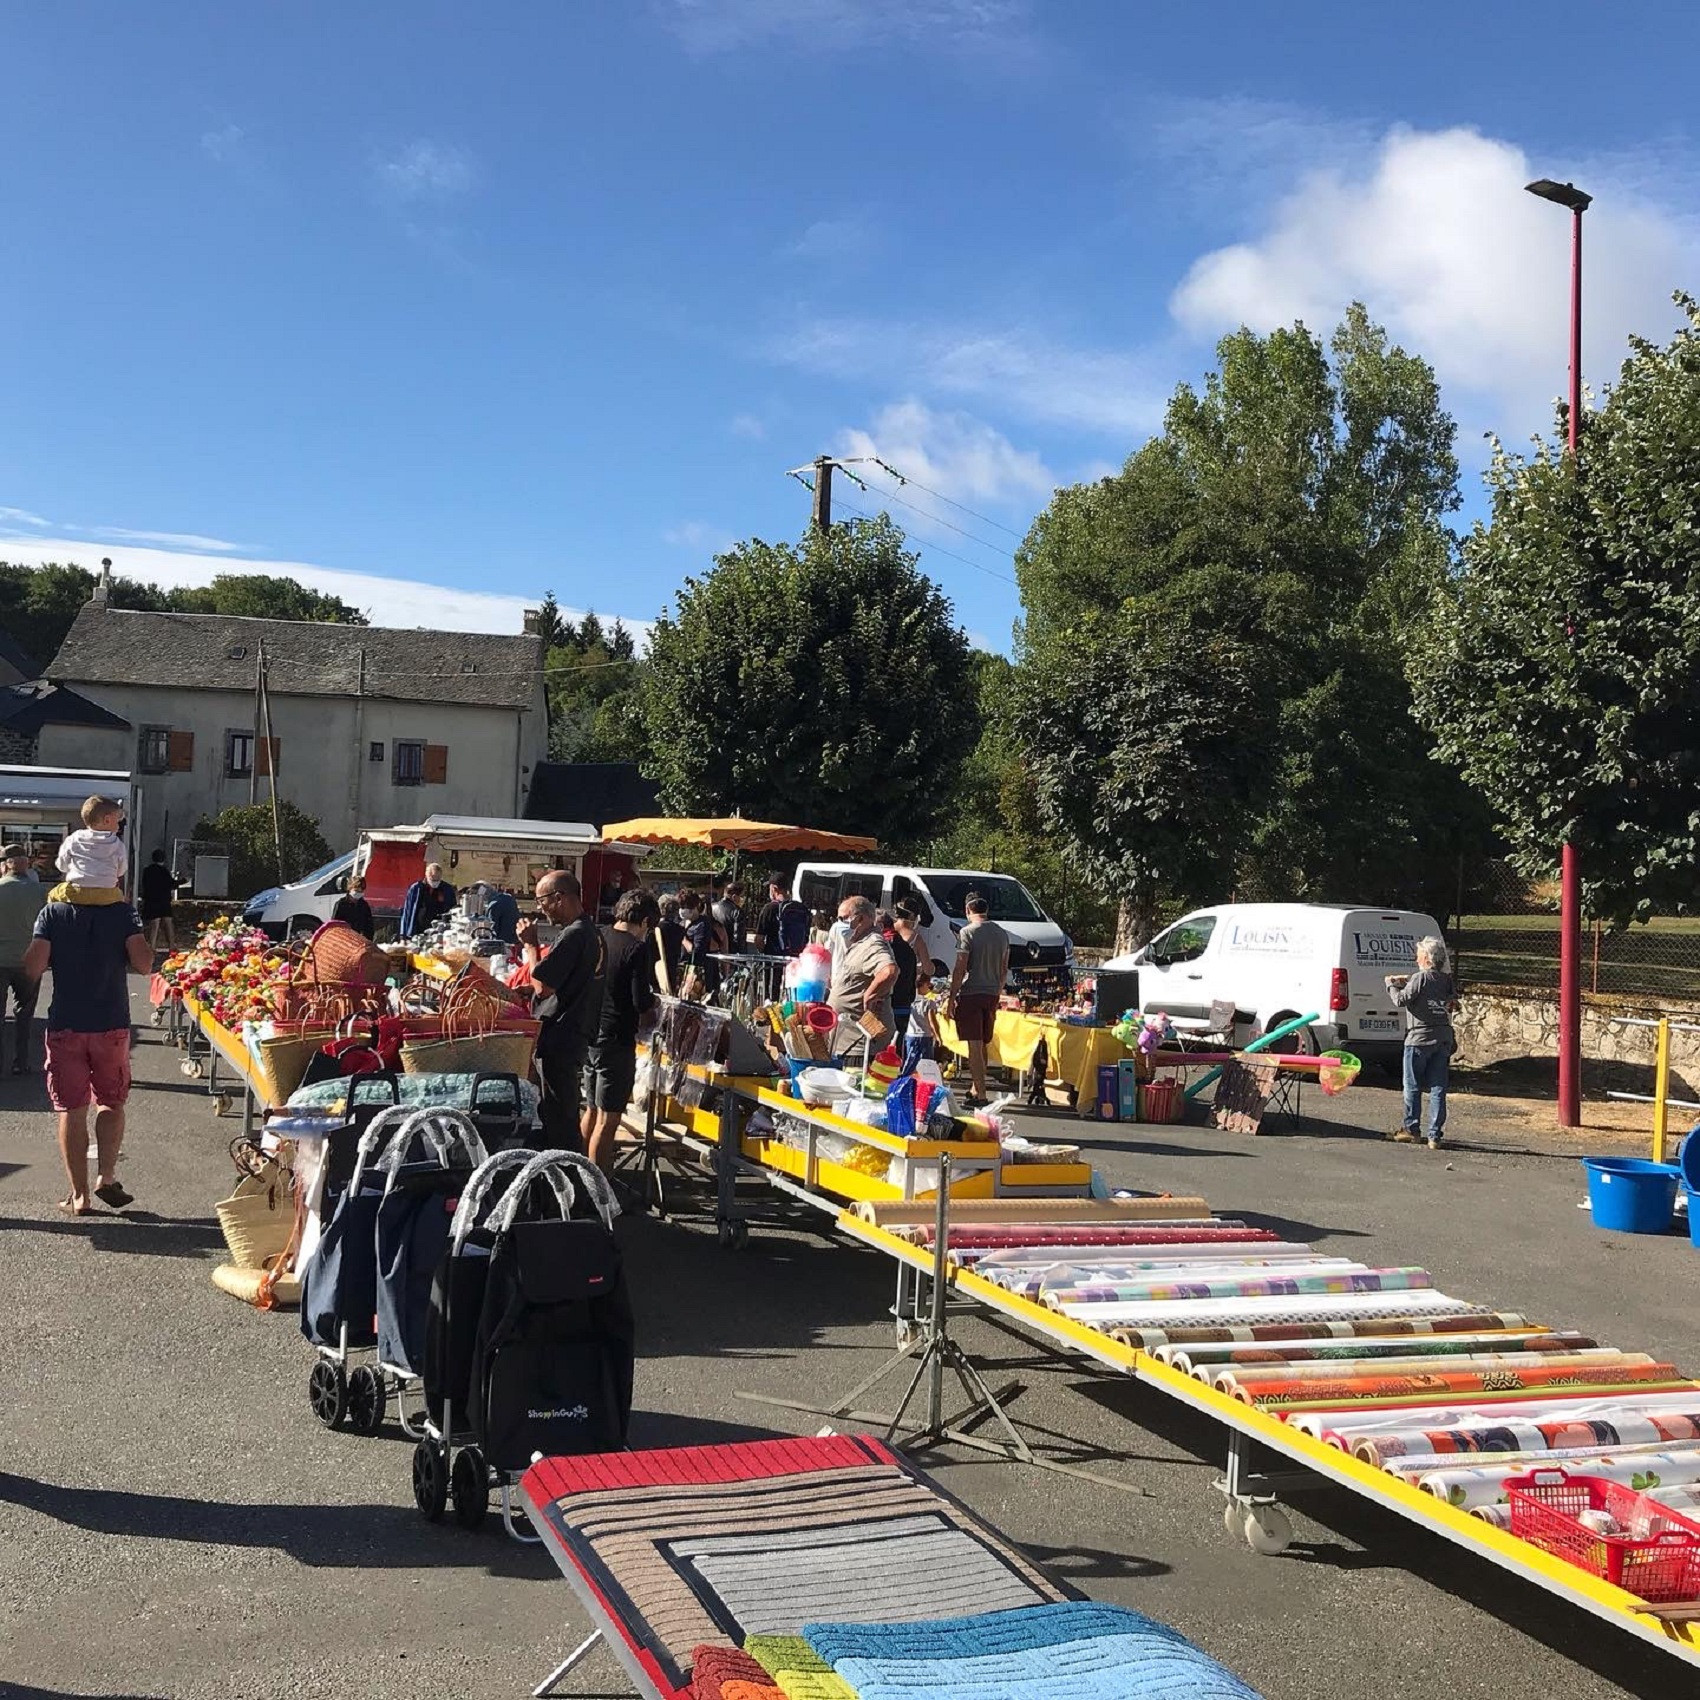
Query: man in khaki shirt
(863, 972)
(21, 898)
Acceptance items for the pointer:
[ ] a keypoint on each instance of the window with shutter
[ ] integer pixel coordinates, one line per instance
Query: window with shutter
(409, 762)
(180, 752)
(153, 749)
(238, 753)
(436, 764)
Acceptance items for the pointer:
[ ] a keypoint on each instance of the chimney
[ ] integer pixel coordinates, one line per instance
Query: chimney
(529, 624)
(103, 585)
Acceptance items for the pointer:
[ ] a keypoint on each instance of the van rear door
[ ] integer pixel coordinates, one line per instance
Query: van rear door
(1375, 943)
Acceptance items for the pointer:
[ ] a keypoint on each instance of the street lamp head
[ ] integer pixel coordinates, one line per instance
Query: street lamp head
(1566, 194)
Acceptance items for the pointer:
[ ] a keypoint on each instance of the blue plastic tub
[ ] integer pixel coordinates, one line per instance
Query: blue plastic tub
(1630, 1194)
(1688, 1161)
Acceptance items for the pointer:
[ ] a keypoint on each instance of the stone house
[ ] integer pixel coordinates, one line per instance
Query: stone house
(370, 726)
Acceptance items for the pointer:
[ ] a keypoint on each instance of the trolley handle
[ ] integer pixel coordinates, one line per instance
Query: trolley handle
(562, 1169)
(472, 1200)
(448, 1133)
(382, 1128)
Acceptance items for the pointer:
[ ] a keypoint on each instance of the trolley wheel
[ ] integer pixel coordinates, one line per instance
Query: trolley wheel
(1233, 1517)
(734, 1236)
(469, 1487)
(327, 1392)
(1268, 1529)
(157, 1019)
(430, 1480)
(191, 1068)
(366, 1400)
(223, 1103)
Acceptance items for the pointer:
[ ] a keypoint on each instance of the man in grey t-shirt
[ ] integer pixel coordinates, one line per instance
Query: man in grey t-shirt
(976, 982)
(863, 973)
(1428, 998)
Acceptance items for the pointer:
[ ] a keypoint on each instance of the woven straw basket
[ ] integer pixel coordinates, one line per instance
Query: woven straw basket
(258, 1218)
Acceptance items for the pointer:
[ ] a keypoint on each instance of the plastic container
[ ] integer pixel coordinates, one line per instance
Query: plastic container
(1657, 1558)
(1160, 1101)
(1631, 1195)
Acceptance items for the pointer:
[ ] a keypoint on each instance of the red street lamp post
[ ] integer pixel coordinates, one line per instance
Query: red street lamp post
(1570, 868)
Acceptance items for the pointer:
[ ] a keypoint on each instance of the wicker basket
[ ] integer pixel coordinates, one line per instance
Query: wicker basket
(252, 1286)
(258, 1218)
(337, 955)
(504, 1051)
(283, 1060)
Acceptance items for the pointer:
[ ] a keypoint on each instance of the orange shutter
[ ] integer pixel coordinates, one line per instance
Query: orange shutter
(436, 764)
(180, 752)
(265, 755)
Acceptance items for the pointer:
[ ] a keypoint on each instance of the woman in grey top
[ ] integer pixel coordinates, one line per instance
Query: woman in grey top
(1428, 999)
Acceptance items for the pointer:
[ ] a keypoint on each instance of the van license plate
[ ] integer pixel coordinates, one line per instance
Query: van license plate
(1378, 1024)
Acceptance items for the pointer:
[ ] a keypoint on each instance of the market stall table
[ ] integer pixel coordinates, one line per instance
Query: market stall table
(1074, 1052)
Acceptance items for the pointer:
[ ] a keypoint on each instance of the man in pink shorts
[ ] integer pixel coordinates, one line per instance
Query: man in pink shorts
(92, 952)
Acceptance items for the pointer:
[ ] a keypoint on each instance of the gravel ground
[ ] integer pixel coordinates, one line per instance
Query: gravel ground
(173, 1522)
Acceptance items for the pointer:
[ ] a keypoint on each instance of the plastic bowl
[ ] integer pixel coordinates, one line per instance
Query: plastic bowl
(1631, 1195)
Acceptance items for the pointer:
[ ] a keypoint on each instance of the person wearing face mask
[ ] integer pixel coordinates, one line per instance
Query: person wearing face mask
(567, 986)
(427, 900)
(863, 972)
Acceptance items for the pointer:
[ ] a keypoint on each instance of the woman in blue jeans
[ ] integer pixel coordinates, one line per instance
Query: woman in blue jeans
(1428, 999)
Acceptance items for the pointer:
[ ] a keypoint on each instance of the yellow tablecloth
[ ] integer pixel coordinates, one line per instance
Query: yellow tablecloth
(1073, 1053)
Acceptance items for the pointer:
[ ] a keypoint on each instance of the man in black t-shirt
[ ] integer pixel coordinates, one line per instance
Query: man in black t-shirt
(567, 985)
(782, 928)
(628, 995)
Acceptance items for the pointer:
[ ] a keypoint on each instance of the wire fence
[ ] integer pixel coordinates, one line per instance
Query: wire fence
(1508, 935)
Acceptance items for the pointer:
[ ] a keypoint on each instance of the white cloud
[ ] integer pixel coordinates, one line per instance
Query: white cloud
(1019, 368)
(226, 145)
(423, 170)
(953, 454)
(22, 516)
(748, 425)
(385, 601)
(838, 26)
(189, 540)
(699, 537)
(1434, 233)
(853, 237)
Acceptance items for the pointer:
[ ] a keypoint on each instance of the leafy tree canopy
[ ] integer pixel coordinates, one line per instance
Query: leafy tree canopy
(1211, 689)
(824, 682)
(1563, 668)
(246, 830)
(38, 604)
(592, 686)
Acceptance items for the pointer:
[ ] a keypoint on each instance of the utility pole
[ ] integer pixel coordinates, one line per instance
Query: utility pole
(817, 477)
(1576, 202)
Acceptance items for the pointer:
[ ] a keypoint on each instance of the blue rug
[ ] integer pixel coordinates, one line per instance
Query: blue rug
(1077, 1650)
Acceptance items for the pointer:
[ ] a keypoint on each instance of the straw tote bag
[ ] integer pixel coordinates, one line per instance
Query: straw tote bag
(258, 1218)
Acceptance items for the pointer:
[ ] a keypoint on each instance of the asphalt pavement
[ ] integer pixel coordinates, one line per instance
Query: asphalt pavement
(174, 1523)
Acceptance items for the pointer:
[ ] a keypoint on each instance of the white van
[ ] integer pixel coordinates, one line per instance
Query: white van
(302, 906)
(1041, 954)
(1277, 961)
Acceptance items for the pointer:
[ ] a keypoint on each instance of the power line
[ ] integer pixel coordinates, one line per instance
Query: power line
(997, 525)
(937, 519)
(939, 549)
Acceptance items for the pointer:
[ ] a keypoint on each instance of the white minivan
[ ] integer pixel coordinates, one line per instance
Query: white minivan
(1276, 961)
(1041, 954)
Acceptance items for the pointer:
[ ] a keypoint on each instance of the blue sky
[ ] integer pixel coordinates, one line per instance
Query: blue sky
(505, 298)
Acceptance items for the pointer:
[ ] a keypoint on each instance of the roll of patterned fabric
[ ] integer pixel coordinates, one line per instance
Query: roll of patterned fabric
(1277, 1285)
(1201, 1358)
(1413, 1466)
(1406, 1407)
(1302, 1307)
(1480, 1412)
(1166, 1256)
(1034, 1280)
(1525, 1435)
(1498, 1516)
(1214, 1332)
(990, 1235)
(1589, 1378)
(1468, 1486)
(1258, 1376)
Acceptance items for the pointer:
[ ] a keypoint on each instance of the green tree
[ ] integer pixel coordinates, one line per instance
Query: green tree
(824, 682)
(1563, 674)
(593, 689)
(264, 596)
(255, 858)
(1282, 531)
(38, 604)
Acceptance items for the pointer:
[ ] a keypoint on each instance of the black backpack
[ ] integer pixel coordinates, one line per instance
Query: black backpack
(793, 926)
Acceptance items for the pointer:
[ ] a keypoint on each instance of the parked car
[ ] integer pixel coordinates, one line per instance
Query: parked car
(1041, 955)
(1276, 961)
(302, 906)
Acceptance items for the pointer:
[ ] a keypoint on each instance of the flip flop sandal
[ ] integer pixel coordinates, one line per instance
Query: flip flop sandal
(71, 1210)
(113, 1194)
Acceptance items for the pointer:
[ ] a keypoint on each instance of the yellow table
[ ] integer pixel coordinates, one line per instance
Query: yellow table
(1073, 1054)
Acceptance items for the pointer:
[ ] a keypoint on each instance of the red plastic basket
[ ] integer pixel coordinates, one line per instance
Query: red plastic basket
(1658, 1561)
